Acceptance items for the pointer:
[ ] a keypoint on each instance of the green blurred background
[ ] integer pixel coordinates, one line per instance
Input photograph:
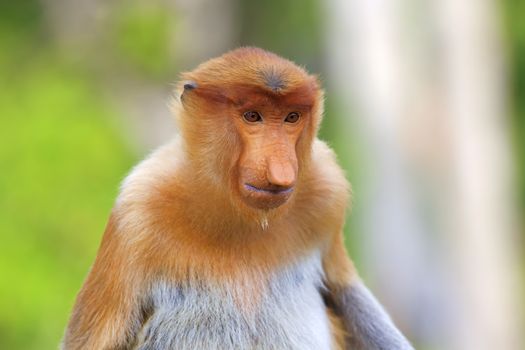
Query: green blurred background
(66, 141)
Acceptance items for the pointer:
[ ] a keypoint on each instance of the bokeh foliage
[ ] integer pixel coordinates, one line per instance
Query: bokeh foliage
(291, 28)
(141, 35)
(61, 160)
(514, 35)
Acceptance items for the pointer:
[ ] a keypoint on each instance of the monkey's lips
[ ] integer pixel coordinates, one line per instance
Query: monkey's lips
(265, 197)
(273, 191)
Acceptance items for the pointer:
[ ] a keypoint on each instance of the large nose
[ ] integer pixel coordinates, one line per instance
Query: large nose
(281, 171)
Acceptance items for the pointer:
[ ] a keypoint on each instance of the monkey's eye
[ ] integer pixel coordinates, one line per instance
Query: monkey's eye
(252, 117)
(292, 117)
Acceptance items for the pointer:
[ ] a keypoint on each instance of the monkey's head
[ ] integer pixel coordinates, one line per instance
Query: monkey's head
(248, 120)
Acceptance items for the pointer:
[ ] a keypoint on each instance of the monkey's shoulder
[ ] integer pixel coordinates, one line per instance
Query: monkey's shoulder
(148, 194)
(326, 172)
(325, 186)
(155, 175)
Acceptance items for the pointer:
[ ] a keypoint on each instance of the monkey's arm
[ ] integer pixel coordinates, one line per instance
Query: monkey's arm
(107, 311)
(367, 324)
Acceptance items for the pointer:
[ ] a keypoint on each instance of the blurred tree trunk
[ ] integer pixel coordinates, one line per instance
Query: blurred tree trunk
(481, 212)
(427, 90)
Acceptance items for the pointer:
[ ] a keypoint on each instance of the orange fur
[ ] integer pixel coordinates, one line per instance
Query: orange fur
(180, 216)
(339, 334)
(106, 302)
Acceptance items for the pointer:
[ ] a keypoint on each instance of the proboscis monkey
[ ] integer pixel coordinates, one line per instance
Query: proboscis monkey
(230, 236)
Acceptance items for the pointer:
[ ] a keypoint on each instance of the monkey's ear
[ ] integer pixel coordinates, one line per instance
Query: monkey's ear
(212, 94)
(187, 86)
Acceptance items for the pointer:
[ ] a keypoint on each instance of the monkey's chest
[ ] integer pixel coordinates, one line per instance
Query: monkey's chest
(287, 313)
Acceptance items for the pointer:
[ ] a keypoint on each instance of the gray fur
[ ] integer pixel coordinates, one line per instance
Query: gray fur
(273, 79)
(368, 324)
(291, 314)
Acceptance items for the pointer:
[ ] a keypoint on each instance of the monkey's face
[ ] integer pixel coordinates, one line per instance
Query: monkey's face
(268, 164)
(249, 119)
(272, 138)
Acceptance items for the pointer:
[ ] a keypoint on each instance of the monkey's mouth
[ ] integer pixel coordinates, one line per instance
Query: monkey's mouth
(265, 197)
(277, 190)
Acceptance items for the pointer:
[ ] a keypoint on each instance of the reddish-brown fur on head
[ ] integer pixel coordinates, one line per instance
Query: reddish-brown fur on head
(261, 162)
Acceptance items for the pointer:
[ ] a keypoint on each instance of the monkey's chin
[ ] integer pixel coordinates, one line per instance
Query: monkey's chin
(264, 200)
